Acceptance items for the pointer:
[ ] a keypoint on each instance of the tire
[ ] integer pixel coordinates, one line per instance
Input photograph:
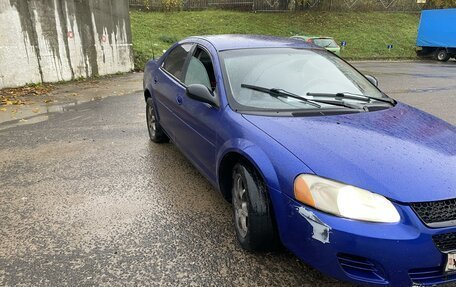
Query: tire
(252, 212)
(156, 133)
(442, 55)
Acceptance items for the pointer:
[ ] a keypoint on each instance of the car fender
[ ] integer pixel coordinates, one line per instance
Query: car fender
(147, 75)
(256, 156)
(152, 96)
(151, 65)
(267, 169)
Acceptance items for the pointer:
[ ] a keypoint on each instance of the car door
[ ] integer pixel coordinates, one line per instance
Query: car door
(197, 134)
(168, 87)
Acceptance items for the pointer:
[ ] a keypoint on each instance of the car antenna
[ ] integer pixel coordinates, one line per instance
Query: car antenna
(153, 51)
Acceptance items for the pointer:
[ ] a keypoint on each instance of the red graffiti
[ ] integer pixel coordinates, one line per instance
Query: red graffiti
(70, 34)
(103, 38)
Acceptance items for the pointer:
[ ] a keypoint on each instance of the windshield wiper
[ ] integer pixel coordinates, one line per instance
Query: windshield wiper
(280, 93)
(348, 95)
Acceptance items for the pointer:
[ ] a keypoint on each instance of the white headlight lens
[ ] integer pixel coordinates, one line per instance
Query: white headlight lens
(344, 200)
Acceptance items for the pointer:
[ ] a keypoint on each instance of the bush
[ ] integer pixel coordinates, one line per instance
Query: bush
(170, 39)
(442, 3)
(146, 4)
(171, 5)
(140, 59)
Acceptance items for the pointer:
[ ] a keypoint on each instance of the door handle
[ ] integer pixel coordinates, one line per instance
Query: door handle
(179, 100)
(155, 80)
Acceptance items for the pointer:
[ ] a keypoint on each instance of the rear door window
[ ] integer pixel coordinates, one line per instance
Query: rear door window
(175, 61)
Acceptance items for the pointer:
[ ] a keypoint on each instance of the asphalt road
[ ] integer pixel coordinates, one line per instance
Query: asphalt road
(428, 85)
(86, 199)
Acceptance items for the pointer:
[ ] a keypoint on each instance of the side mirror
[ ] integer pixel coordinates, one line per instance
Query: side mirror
(372, 79)
(201, 93)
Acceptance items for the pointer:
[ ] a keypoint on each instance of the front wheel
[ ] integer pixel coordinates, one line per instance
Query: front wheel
(156, 133)
(253, 215)
(442, 55)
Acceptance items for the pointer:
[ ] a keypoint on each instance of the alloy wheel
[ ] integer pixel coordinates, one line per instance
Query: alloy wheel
(151, 121)
(241, 213)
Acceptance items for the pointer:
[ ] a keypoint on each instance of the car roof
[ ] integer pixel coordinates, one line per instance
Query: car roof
(322, 37)
(312, 37)
(234, 42)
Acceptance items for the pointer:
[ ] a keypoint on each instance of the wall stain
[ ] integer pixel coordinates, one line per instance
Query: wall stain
(27, 19)
(64, 31)
(46, 16)
(103, 45)
(83, 16)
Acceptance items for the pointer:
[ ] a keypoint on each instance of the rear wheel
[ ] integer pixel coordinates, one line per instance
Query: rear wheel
(253, 215)
(442, 55)
(156, 133)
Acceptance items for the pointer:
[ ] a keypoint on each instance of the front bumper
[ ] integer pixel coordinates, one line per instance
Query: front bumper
(400, 254)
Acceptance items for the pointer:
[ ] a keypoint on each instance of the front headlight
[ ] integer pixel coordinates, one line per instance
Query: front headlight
(344, 200)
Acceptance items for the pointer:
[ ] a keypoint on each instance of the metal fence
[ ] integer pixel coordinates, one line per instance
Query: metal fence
(282, 5)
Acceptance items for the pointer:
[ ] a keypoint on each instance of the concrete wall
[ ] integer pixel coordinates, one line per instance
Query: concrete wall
(59, 40)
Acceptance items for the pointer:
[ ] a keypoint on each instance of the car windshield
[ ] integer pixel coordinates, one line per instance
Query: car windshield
(325, 42)
(249, 73)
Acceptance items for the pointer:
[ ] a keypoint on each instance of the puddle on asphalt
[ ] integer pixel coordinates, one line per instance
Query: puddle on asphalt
(17, 115)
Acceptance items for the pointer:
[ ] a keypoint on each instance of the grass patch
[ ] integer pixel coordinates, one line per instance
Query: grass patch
(367, 33)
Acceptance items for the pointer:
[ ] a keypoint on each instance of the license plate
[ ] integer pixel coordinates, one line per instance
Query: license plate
(451, 263)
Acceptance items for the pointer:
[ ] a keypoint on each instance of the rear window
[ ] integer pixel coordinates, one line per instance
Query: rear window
(325, 42)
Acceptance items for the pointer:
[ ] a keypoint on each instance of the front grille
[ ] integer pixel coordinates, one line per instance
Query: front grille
(436, 213)
(430, 276)
(362, 269)
(445, 242)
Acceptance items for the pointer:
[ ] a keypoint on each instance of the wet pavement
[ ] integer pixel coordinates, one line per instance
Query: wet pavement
(427, 85)
(86, 199)
(65, 96)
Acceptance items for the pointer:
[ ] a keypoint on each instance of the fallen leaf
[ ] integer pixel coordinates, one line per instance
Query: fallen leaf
(36, 110)
(18, 102)
(3, 109)
(22, 120)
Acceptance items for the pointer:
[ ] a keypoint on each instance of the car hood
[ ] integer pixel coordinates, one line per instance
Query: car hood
(402, 153)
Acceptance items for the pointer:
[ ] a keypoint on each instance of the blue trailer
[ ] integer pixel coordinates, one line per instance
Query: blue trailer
(437, 34)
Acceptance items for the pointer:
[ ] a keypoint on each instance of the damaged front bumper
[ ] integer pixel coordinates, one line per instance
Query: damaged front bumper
(397, 254)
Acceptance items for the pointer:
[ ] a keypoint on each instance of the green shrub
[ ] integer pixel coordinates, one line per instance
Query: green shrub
(442, 3)
(170, 39)
(140, 59)
(171, 5)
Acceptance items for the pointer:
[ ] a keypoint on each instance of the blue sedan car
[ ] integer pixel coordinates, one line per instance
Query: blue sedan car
(312, 155)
